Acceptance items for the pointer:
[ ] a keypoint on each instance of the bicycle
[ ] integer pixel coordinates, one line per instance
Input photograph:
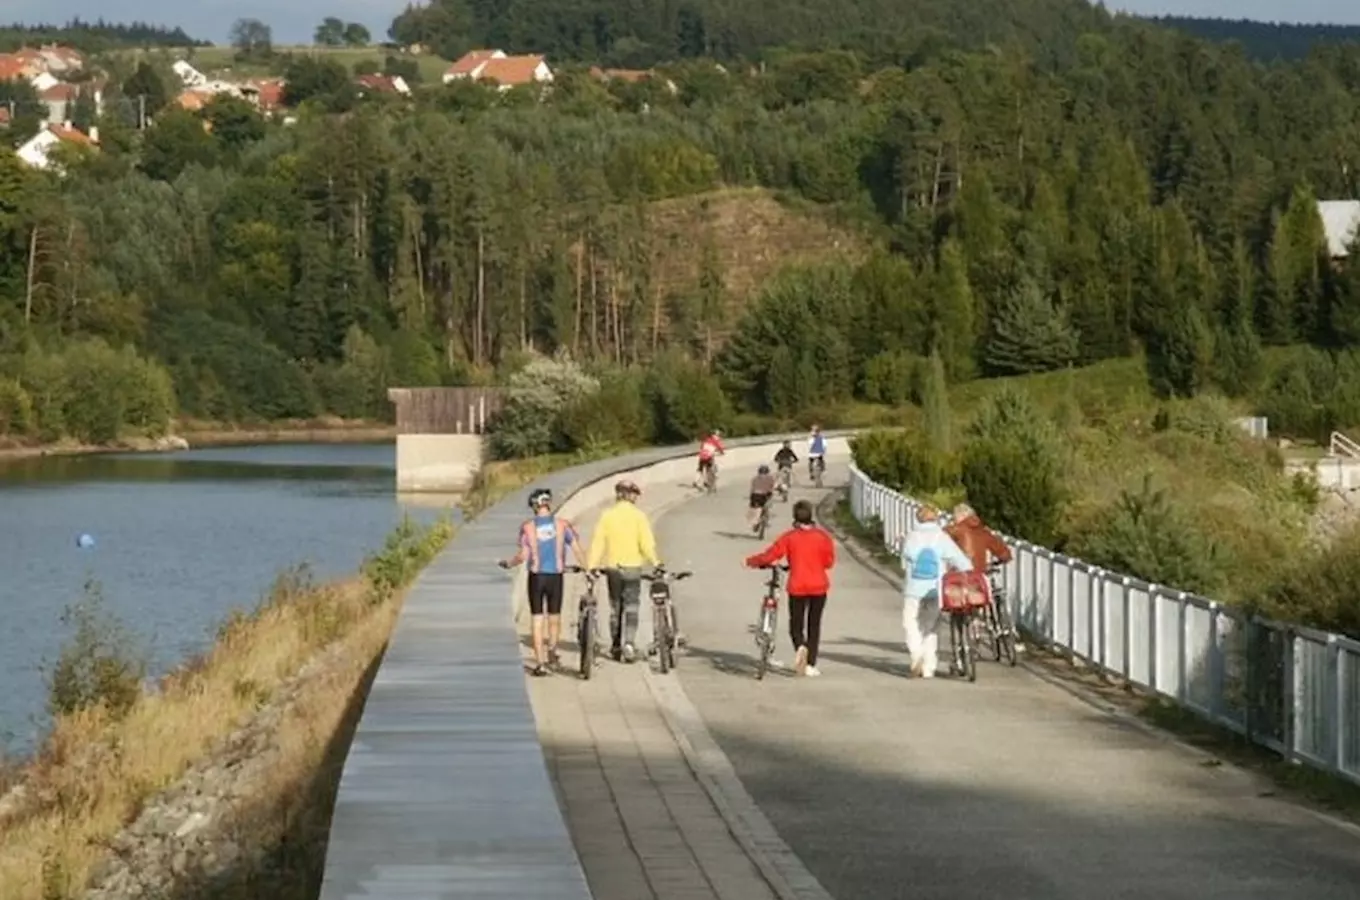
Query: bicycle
(763, 520)
(783, 483)
(587, 622)
(1005, 637)
(816, 467)
(765, 624)
(967, 619)
(665, 629)
(711, 477)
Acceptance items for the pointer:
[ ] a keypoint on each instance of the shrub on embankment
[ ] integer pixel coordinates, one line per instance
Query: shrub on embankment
(263, 689)
(1171, 492)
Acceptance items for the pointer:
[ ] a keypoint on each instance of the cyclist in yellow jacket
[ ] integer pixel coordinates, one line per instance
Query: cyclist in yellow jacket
(622, 544)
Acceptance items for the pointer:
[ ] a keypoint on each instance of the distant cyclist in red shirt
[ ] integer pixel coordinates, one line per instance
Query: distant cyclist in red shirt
(811, 554)
(709, 448)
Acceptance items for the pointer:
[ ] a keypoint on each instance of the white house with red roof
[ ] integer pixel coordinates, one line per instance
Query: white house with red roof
(496, 67)
(37, 151)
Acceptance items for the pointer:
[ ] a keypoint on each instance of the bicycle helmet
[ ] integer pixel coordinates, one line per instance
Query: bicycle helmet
(802, 512)
(539, 497)
(764, 470)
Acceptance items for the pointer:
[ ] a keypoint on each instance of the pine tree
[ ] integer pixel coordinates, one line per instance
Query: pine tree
(935, 405)
(953, 314)
(1180, 350)
(1030, 333)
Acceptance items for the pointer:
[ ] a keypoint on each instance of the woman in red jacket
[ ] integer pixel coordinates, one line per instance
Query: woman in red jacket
(811, 554)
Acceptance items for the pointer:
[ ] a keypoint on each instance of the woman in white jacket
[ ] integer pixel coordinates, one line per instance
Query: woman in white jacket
(926, 553)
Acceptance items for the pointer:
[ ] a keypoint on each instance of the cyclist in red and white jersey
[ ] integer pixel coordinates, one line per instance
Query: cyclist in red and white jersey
(709, 448)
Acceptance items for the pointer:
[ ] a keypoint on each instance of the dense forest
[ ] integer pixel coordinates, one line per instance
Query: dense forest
(1133, 190)
(95, 37)
(1264, 41)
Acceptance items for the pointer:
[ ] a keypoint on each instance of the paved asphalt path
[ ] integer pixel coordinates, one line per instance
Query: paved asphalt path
(889, 787)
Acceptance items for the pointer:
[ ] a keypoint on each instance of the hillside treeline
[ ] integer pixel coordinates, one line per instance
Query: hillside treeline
(1155, 193)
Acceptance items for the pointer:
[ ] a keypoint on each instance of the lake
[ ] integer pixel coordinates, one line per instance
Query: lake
(180, 539)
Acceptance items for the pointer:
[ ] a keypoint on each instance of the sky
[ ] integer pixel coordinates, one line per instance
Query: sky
(294, 21)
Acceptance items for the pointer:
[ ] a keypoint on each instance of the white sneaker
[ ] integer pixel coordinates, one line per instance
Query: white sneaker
(812, 672)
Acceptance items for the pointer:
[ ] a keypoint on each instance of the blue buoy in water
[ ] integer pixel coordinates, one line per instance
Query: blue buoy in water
(85, 542)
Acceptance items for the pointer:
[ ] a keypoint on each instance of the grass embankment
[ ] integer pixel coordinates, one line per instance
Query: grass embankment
(104, 762)
(1244, 517)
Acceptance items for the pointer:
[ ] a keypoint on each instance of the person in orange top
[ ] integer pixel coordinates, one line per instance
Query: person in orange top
(811, 554)
(978, 542)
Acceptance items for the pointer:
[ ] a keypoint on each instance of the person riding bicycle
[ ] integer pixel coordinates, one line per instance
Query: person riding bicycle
(816, 451)
(977, 541)
(709, 448)
(622, 543)
(785, 459)
(811, 555)
(925, 555)
(543, 541)
(762, 489)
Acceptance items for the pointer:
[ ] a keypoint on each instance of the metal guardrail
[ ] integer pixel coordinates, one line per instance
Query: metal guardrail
(1294, 690)
(1340, 445)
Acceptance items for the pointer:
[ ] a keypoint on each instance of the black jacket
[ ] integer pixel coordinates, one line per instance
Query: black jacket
(785, 457)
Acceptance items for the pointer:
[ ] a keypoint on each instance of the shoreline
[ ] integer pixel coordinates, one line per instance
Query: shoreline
(192, 435)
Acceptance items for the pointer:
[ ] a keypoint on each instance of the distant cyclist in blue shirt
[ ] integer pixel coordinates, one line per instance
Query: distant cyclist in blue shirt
(927, 553)
(543, 541)
(816, 451)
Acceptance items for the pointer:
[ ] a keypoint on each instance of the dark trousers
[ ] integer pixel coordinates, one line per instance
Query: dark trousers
(625, 588)
(805, 623)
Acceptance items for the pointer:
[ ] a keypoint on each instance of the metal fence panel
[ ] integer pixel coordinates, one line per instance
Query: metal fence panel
(1293, 690)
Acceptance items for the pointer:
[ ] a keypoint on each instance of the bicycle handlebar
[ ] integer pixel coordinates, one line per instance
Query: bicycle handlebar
(661, 573)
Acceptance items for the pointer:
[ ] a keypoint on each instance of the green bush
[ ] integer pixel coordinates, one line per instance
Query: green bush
(1321, 588)
(92, 392)
(1014, 490)
(614, 416)
(905, 462)
(1146, 535)
(686, 401)
(101, 663)
(16, 410)
(357, 387)
(893, 377)
(530, 422)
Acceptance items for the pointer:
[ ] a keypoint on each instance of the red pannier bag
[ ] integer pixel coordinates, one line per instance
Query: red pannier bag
(960, 591)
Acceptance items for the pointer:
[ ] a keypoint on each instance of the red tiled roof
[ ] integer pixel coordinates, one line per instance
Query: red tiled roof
(62, 92)
(511, 71)
(11, 67)
(470, 61)
(378, 83)
(73, 135)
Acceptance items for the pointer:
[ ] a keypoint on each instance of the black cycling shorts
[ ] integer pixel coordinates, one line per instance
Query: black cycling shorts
(545, 593)
(759, 500)
(705, 464)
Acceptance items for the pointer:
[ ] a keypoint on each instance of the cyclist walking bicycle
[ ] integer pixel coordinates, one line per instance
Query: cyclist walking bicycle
(977, 540)
(623, 542)
(925, 554)
(543, 542)
(811, 554)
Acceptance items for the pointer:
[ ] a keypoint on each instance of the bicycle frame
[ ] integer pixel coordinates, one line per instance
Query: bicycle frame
(663, 614)
(766, 623)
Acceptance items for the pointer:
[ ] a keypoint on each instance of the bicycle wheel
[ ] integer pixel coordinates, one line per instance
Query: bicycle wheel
(762, 523)
(661, 625)
(1005, 635)
(970, 650)
(765, 642)
(585, 640)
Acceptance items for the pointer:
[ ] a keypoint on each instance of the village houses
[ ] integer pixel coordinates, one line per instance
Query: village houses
(48, 69)
(496, 67)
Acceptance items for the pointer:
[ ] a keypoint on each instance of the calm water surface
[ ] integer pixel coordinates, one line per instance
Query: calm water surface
(180, 540)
